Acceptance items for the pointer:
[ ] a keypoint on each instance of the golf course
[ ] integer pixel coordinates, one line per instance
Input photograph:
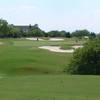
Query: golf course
(49, 50)
(28, 72)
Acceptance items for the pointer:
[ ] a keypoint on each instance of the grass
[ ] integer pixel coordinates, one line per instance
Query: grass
(50, 87)
(29, 73)
(24, 57)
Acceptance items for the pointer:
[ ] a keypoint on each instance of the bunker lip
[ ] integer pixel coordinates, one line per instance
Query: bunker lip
(58, 49)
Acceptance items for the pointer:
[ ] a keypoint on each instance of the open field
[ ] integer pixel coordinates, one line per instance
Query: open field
(30, 73)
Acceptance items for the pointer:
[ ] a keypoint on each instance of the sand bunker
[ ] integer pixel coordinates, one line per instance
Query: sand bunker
(34, 39)
(56, 49)
(56, 39)
(50, 39)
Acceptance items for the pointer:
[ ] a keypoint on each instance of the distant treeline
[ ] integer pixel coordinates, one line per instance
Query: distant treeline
(8, 31)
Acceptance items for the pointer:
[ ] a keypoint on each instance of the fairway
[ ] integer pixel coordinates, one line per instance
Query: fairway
(50, 87)
(30, 73)
(20, 56)
(49, 50)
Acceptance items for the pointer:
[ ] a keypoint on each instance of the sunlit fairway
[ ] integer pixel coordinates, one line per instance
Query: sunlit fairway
(30, 73)
(22, 57)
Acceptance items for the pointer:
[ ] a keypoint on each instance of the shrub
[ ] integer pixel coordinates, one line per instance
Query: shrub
(86, 60)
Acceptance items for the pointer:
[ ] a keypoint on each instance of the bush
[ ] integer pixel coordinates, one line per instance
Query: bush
(86, 61)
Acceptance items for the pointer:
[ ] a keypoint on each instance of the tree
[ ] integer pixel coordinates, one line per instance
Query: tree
(14, 31)
(54, 34)
(92, 35)
(80, 33)
(45, 34)
(4, 28)
(36, 31)
(65, 34)
(86, 60)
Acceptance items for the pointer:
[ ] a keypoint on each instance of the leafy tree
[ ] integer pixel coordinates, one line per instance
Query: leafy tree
(59, 34)
(68, 35)
(54, 34)
(65, 34)
(14, 32)
(80, 33)
(86, 60)
(45, 34)
(36, 31)
(92, 35)
(4, 28)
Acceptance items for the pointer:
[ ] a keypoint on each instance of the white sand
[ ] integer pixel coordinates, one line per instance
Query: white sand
(56, 49)
(56, 39)
(50, 39)
(34, 39)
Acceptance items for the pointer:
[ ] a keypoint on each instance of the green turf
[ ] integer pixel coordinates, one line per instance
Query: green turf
(19, 56)
(30, 73)
(50, 87)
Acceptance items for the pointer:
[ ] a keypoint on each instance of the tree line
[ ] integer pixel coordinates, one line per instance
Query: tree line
(7, 30)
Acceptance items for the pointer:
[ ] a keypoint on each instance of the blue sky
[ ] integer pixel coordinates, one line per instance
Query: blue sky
(66, 15)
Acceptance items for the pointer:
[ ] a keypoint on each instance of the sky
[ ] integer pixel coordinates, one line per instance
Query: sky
(69, 15)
